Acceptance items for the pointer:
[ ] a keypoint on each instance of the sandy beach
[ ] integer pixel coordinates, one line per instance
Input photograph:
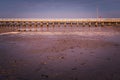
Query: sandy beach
(79, 55)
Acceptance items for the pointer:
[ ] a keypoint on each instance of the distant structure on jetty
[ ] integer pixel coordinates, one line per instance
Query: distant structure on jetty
(27, 24)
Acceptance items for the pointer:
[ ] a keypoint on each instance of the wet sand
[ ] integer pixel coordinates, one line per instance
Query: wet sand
(88, 55)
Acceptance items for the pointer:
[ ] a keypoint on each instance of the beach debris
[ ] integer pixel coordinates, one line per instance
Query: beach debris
(91, 52)
(44, 63)
(71, 47)
(50, 57)
(81, 52)
(72, 51)
(108, 59)
(61, 57)
(44, 76)
(83, 63)
(76, 78)
(74, 68)
(116, 45)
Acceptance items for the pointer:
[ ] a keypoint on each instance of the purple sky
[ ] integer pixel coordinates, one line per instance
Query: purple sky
(59, 8)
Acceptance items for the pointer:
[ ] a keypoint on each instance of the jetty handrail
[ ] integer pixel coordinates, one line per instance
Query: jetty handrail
(61, 19)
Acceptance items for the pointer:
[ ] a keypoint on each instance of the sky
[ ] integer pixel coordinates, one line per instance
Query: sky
(59, 8)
